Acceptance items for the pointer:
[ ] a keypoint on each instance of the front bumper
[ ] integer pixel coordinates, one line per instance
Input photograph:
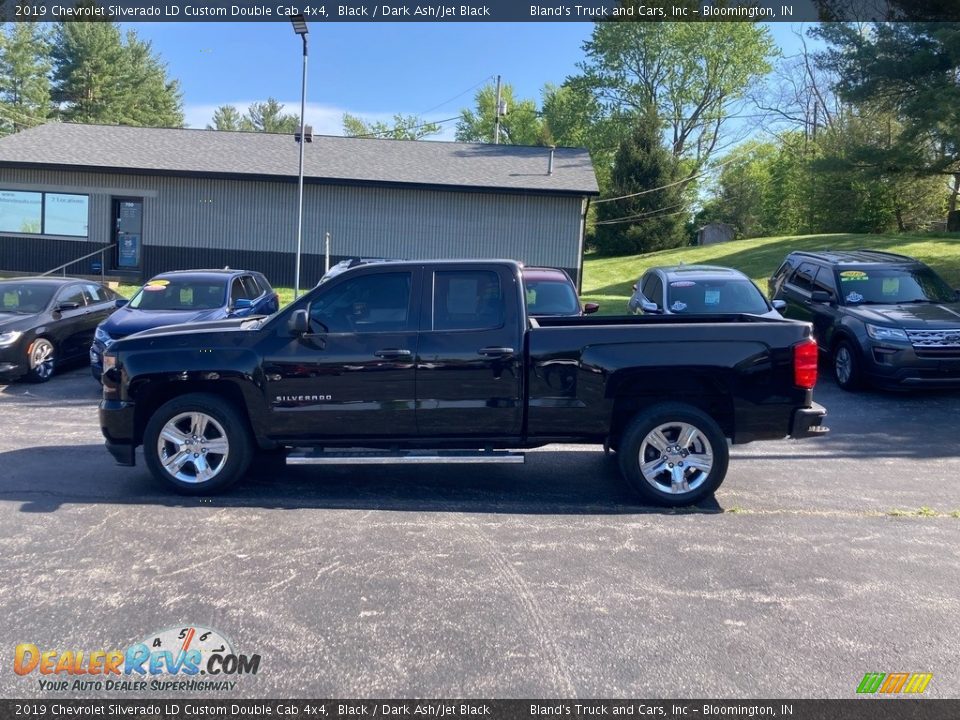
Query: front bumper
(117, 425)
(808, 422)
(905, 367)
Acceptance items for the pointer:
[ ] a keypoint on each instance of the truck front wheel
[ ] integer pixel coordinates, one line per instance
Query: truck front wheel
(197, 443)
(673, 454)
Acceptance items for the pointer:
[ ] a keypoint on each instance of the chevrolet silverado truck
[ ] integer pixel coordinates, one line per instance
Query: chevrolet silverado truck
(439, 362)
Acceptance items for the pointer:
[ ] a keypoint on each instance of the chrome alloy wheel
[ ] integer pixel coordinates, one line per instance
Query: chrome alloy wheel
(41, 358)
(676, 457)
(193, 447)
(843, 365)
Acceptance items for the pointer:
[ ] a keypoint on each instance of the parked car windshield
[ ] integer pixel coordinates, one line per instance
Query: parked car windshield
(25, 297)
(715, 296)
(177, 294)
(551, 297)
(892, 286)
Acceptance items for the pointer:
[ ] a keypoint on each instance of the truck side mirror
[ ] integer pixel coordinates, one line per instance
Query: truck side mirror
(299, 323)
(590, 308)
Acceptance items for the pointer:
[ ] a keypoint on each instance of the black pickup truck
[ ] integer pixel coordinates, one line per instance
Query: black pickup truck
(439, 362)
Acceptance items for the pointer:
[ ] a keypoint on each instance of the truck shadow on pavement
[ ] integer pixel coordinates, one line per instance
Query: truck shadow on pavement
(570, 482)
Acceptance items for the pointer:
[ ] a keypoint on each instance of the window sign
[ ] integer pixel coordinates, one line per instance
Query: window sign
(65, 214)
(20, 212)
(35, 213)
(128, 250)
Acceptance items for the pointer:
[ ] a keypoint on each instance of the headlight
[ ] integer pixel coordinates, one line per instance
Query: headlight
(9, 338)
(109, 362)
(889, 334)
(101, 335)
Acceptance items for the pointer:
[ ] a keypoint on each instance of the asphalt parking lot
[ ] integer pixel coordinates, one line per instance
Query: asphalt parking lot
(818, 561)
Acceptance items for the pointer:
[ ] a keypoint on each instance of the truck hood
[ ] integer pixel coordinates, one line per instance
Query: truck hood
(913, 316)
(127, 321)
(229, 325)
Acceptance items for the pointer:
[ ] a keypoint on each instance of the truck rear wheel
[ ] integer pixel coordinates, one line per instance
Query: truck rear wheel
(197, 443)
(673, 454)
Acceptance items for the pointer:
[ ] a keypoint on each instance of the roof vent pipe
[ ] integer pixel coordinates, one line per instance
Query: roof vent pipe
(550, 164)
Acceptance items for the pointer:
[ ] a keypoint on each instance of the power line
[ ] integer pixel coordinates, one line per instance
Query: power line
(627, 218)
(650, 216)
(412, 127)
(474, 87)
(669, 185)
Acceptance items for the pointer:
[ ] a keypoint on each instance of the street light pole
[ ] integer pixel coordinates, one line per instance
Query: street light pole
(300, 28)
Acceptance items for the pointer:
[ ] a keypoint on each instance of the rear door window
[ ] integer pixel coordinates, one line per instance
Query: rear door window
(802, 279)
(467, 300)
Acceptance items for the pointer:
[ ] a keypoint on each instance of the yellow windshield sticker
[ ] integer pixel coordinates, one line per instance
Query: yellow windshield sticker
(846, 275)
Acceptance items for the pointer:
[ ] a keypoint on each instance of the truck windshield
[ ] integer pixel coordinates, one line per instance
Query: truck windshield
(180, 294)
(547, 297)
(892, 286)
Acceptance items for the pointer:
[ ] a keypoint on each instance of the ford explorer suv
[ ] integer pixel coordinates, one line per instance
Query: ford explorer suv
(440, 362)
(882, 319)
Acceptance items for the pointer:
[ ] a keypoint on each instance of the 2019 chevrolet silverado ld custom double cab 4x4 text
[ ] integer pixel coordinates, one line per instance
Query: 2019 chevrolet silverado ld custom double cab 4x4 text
(436, 361)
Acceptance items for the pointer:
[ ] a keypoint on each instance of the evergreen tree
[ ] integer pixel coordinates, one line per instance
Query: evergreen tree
(99, 78)
(226, 117)
(269, 117)
(650, 221)
(24, 82)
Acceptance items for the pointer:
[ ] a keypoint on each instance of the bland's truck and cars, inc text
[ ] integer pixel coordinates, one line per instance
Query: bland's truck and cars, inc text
(439, 362)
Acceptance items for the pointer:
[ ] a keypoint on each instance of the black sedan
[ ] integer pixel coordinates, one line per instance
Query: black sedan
(46, 322)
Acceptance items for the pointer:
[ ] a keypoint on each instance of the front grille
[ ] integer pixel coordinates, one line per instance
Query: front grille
(949, 338)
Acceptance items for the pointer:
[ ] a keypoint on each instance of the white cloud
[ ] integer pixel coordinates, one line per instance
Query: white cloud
(325, 119)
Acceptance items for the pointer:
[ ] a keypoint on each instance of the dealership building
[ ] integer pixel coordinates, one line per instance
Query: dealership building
(156, 199)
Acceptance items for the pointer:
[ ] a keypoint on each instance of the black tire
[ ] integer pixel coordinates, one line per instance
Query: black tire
(706, 446)
(40, 370)
(845, 361)
(225, 428)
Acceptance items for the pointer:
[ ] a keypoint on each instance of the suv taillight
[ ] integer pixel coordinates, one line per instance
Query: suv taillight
(805, 364)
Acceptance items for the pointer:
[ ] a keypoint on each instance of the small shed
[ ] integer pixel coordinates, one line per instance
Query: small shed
(715, 232)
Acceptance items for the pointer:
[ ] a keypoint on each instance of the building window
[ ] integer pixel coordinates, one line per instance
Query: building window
(38, 213)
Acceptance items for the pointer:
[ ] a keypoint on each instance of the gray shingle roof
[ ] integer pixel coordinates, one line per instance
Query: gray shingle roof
(162, 150)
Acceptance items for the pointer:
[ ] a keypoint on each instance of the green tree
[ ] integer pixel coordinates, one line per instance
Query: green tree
(269, 117)
(744, 195)
(226, 117)
(101, 77)
(912, 71)
(520, 126)
(694, 74)
(24, 77)
(649, 213)
(404, 127)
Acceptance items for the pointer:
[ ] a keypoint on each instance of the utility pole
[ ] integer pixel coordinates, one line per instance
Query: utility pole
(496, 127)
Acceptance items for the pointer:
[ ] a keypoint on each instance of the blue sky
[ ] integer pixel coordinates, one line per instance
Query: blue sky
(369, 69)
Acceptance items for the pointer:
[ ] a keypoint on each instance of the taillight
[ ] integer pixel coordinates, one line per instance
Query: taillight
(805, 364)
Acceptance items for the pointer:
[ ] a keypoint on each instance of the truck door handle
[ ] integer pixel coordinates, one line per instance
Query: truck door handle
(392, 353)
(495, 351)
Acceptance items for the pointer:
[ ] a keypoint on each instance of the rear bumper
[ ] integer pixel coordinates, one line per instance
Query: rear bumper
(808, 422)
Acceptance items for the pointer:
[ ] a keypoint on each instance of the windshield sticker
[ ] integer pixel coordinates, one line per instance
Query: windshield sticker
(854, 297)
(891, 286)
(682, 283)
(678, 306)
(848, 275)
(711, 297)
(10, 299)
(186, 296)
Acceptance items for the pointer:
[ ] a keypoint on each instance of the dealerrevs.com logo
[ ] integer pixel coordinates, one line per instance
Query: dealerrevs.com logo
(186, 659)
